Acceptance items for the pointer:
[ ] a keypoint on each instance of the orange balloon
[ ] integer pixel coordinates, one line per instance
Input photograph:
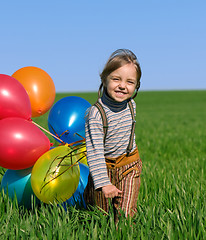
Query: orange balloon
(39, 86)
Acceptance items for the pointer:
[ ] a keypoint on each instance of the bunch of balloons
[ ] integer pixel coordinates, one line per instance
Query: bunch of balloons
(51, 174)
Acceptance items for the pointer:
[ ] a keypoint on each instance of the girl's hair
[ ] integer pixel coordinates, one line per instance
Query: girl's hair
(118, 59)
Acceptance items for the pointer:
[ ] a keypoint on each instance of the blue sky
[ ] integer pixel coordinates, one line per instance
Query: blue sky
(72, 40)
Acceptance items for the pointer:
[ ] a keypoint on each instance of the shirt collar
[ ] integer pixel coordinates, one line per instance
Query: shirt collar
(112, 104)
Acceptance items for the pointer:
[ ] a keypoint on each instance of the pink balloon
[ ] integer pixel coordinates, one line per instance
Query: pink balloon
(14, 100)
(21, 143)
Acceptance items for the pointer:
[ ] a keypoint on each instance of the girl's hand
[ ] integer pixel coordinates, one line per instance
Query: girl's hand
(110, 191)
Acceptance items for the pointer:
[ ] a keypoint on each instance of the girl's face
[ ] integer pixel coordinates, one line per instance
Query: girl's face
(122, 82)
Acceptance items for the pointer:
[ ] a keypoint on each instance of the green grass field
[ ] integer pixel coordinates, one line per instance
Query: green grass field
(171, 137)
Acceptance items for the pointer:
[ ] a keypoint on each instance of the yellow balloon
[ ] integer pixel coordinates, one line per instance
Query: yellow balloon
(81, 153)
(55, 175)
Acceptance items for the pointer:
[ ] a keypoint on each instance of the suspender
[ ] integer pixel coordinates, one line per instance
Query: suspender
(105, 123)
(130, 145)
(104, 118)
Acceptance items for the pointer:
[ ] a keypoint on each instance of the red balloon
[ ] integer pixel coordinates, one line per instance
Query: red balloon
(21, 143)
(14, 100)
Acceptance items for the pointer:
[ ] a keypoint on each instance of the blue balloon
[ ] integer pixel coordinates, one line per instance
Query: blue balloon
(18, 183)
(77, 198)
(67, 118)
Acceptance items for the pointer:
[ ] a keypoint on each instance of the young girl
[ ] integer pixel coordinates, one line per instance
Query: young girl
(112, 154)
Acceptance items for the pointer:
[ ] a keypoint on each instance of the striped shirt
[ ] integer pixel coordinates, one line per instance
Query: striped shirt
(118, 134)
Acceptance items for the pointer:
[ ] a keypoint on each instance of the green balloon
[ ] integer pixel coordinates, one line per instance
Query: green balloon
(55, 175)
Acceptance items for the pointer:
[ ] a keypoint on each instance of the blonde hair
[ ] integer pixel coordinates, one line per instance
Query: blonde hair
(118, 59)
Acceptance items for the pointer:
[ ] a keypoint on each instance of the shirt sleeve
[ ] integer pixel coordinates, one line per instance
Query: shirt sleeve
(95, 148)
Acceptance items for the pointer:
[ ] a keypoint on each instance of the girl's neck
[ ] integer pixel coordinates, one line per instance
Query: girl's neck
(111, 103)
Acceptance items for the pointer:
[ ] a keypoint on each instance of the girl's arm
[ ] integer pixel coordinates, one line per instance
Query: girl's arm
(95, 149)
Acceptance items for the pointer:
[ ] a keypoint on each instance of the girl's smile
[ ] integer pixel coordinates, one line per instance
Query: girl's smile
(122, 82)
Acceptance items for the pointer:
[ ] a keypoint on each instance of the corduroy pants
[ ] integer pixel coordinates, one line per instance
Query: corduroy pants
(128, 183)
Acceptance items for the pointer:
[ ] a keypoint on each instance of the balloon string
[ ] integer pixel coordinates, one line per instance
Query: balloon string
(47, 131)
(73, 143)
(69, 167)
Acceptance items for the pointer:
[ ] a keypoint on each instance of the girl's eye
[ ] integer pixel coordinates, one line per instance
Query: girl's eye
(115, 79)
(131, 82)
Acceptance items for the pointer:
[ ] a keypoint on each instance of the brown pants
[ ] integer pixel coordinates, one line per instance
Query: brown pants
(128, 183)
